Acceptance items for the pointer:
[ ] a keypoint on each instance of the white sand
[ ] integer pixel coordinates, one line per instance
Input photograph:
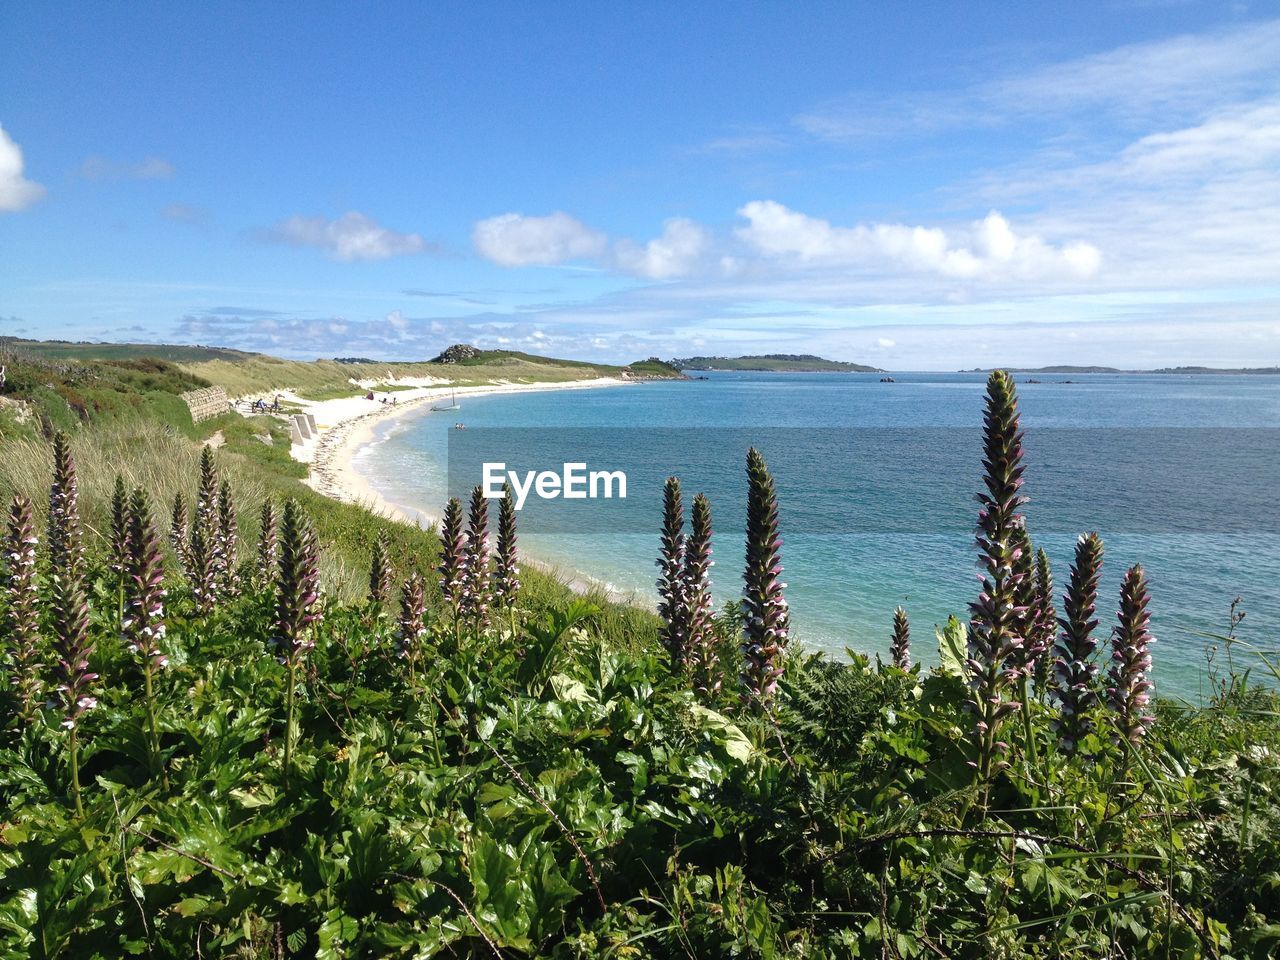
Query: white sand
(347, 424)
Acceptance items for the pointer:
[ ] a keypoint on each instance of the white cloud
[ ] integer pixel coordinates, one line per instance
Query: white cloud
(149, 168)
(990, 249)
(351, 237)
(16, 192)
(1181, 207)
(674, 254)
(514, 240)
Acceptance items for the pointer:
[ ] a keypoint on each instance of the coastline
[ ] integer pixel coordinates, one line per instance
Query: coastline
(348, 424)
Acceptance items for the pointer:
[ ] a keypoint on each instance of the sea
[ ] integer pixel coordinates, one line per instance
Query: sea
(876, 484)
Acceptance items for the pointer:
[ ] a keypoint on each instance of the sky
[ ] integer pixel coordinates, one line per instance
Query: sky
(921, 186)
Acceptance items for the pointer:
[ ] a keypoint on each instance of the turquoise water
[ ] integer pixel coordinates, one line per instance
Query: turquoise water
(876, 483)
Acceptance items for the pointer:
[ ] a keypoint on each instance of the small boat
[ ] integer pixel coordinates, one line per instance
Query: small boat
(452, 405)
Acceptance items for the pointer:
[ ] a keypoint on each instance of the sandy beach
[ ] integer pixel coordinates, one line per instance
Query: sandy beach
(346, 424)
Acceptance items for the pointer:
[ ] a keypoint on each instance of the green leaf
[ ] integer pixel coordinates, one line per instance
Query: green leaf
(731, 737)
(953, 645)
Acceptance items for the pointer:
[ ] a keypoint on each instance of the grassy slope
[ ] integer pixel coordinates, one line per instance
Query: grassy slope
(656, 369)
(67, 350)
(327, 378)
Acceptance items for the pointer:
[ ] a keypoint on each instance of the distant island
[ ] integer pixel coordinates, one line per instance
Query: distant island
(1167, 370)
(774, 362)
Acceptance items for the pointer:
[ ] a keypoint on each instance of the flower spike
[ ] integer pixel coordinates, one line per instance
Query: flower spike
(1129, 683)
(900, 645)
(995, 647)
(766, 620)
(673, 608)
(1074, 668)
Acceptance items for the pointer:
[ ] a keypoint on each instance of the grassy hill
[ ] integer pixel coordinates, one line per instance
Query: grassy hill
(774, 362)
(655, 369)
(70, 350)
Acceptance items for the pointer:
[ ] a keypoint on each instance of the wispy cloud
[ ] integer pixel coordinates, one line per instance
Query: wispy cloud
(186, 213)
(16, 191)
(149, 168)
(351, 237)
(748, 141)
(461, 297)
(1177, 77)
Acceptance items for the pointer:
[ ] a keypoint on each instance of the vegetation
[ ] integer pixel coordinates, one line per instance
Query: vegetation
(71, 350)
(655, 369)
(792, 362)
(474, 763)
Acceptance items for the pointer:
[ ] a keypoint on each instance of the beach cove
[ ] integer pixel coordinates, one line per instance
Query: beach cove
(348, 426)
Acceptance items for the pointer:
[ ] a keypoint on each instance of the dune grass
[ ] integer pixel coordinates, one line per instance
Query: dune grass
(325, 379)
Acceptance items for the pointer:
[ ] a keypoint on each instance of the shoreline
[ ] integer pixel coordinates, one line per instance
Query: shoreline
(346, 426)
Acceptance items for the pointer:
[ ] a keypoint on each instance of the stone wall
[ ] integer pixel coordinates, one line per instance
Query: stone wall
(206, 403)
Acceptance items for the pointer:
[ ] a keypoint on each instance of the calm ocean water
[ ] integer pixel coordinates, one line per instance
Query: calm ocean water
(876, 484)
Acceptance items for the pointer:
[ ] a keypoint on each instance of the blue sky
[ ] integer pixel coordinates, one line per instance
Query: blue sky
(920, 186)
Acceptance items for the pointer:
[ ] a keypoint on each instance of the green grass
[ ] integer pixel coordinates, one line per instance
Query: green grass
(65, 350)
(63, 394)
(655, 368)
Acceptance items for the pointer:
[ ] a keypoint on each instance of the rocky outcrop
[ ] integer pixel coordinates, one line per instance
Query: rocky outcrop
(457, 353)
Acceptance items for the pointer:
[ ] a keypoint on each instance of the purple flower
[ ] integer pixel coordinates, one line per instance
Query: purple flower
(204, 561)
(995, 647)
(900, 645)
(672, 605)
(475, 596)
(297, 587)
(66, 552)
(143, 626)
(380, 572)
(699, 608)
(228, 539)
(411, 625)
(1043, 624)
(766, 621)
(1129, 683)
(452, 555)
(118, 546)
(1074, 669)
(506, 574)
(268, 542)
(178, 529)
